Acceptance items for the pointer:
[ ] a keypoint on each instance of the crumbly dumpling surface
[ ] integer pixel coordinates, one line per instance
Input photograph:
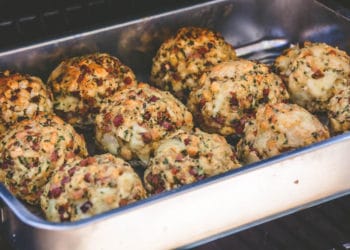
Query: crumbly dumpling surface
(132, 124)
(338, 111)
(278, 128)
(21, 96)
(81, 84)
(229, 94)
(313, 73)
(32, 150)
(186, 157)
(182, 59)
(86, 187)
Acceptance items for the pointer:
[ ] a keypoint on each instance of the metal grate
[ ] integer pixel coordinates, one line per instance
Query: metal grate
(324, 227)
(23, 22)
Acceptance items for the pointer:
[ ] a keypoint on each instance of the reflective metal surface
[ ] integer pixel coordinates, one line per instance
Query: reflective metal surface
(219, 205)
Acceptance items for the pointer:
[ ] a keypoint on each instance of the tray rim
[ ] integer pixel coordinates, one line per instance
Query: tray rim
(28, 218)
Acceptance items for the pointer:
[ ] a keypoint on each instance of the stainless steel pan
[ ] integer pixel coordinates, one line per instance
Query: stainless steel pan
(219, 205)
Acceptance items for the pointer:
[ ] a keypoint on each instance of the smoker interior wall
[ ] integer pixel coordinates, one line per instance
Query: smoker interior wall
(27, 21)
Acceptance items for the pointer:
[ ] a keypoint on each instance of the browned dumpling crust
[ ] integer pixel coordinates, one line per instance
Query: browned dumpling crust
(186, 157)
(313, 73)
(132, 124)
(278, 128)
(32, 150)
(22, 96)
(338, 110)
(229, 94)
(181, 60)
(80, 84)
(86, 187)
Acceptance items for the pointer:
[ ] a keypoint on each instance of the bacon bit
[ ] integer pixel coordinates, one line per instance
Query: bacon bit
(54, 156)
(174, 170)
(202, 50)
(55, 192)
(118, 120)
(90, 101)
(210, 45)
(6, 164)
(75, 93)
(317, 74)
(187, 141)
(239, 128)
(65, 180)
(219, 119)
(36, 146)
(201, 103)
(167, 125)
(64, 215)
(200, 177)
(176, 77)
(72, 171)
(146, 137)
(110, 91)
(84, 70)
(87, 161)
(159, 117)
(107, 117)
(86, 206)
(250, 98)
(87, 177)
(193, 171)
(127, 80)
(111, 70)
(153, 98)
(147, 115)
(81, 77)
(61, 209)
(123, 202)
(179, 157)
(106, 128)
(266, 92)
(99, 82)
(154, 180)
(233, 99)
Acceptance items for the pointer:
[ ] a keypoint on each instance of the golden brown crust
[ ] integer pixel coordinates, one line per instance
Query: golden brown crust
(86, 187)
(182, 59)
(80, 84)
(229, 94)
(132, 124)
(21, 97)
(32, 150)
(186, 157)
(278, 128)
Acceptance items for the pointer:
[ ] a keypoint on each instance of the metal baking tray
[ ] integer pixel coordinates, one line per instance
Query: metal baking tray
(219, 205)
